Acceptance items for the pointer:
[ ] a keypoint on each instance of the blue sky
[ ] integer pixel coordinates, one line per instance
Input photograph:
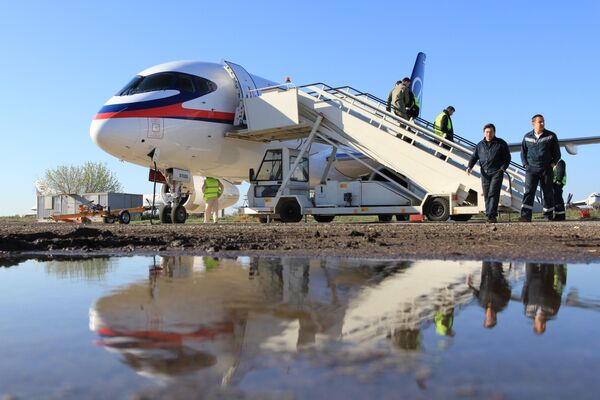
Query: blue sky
(495, 62)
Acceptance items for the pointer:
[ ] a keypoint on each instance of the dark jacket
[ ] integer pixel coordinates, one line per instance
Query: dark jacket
(492, 156)
(539, 153)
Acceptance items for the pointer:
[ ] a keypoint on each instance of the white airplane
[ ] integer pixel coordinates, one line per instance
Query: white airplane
(176, 114)
(592, 201)
(174, 117)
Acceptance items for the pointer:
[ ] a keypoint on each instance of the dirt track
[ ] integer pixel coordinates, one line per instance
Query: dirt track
(551, 241)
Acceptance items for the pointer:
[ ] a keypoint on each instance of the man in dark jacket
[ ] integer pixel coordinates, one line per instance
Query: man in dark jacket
(494, 157)
(540, 152)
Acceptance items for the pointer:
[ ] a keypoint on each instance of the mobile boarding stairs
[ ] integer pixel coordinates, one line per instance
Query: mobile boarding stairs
(424, 173)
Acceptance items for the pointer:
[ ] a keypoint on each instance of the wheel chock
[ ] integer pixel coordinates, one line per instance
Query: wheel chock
(415, 218)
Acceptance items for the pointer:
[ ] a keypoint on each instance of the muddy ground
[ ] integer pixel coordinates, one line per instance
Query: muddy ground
(543, 241)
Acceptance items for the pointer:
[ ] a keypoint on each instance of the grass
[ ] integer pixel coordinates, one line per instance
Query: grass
(19, 218)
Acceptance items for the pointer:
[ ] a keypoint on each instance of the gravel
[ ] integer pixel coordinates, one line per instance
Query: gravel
(536, 241)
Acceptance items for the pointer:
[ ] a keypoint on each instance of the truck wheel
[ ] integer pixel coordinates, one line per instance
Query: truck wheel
(289, 211)
(437, 209)
(124, 217)
(323, 218)
(461, 217)
(385, 217)
(178, 214)
(165, 214)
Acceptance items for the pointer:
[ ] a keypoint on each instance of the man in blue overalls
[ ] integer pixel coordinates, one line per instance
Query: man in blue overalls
(540, 152)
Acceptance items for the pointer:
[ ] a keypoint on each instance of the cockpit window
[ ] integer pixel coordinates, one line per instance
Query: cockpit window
(185, 83)
(168, 81)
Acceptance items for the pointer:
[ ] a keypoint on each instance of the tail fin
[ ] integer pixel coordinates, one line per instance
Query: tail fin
(418, 77)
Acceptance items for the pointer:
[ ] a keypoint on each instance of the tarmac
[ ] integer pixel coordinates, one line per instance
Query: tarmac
(572, 241)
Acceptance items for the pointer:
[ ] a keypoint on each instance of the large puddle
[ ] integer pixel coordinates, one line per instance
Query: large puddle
(298, 328)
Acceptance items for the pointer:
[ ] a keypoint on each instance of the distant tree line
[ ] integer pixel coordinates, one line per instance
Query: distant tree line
(90, 177)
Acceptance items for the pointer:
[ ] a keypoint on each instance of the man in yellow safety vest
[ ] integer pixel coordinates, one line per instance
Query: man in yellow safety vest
(443, 124)
(212, 189)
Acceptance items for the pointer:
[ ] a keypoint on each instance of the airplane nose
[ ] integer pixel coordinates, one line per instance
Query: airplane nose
(116, 136)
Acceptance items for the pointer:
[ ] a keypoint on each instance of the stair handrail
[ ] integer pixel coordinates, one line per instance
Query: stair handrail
(419, 121)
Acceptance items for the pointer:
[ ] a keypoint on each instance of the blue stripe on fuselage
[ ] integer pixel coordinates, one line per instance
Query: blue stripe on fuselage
(142, 105)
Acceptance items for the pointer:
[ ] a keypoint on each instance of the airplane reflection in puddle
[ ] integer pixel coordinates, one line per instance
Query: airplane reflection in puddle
(215, 317)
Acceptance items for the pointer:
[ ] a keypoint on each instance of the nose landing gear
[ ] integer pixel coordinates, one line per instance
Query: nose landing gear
(174, 197)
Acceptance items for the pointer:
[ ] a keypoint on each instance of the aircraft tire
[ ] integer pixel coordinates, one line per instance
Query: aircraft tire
(178, 214)
(437, 209)
(402, 217)
(385, 217)
(164, 214)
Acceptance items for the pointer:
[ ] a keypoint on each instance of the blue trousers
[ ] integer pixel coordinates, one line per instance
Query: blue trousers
(491, 184)
(544, 179)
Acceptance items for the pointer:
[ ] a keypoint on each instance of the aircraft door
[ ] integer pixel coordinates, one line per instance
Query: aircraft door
(246, 88)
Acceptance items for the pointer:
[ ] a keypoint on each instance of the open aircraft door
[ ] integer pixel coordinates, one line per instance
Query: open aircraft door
(246, 88)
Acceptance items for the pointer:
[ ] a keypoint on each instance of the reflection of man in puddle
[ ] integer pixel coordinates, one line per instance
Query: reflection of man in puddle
(407, 338)
(542, 293)
(493, 293)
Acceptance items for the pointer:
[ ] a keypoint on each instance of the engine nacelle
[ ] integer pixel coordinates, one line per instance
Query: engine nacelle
(195, 200)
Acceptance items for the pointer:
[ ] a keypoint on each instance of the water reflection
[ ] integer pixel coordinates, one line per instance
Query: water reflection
(542, 293)
(493, 293)
(299, 327)
(214, 316)
(89, 269)
(218, 319)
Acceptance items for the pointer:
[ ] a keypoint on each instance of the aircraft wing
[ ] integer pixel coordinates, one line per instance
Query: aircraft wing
(569, 144)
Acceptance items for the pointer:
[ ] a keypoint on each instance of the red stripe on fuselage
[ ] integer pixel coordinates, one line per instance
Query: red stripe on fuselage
(172, 111)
